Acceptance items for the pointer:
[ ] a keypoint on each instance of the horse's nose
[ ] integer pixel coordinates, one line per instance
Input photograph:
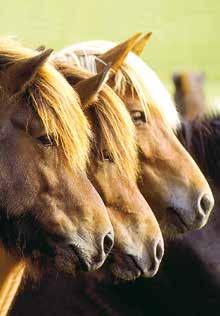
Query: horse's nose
(104, 246)
(205, 205)
(150, 265)
(91, 256)
(156, 256)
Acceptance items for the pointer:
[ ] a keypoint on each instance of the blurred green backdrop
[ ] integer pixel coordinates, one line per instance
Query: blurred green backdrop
(185, 33)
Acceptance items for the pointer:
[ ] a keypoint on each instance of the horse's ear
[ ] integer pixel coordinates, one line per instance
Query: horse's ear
(141, 43)
(40, 48)
(22, 72)
(88, 89)
(117, 54)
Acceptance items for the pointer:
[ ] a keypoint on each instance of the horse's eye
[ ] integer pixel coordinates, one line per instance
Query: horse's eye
(106, 156)
(138, 117)
(45, 140)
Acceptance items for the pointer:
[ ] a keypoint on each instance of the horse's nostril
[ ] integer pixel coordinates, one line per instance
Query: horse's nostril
(108, 243)
(159, 251)
(206, 203)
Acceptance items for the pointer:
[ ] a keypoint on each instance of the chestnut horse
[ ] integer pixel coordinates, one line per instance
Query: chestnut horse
(50, 212)
(45, 142)
(113, 171)
(170, 180)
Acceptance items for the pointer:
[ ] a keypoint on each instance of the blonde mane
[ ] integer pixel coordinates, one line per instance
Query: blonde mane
(116, 129)
(56, 103)
(133, 74)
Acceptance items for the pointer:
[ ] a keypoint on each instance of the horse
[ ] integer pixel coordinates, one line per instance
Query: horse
(50, 212)
(189, 94)
(138, 248)
(180, 197)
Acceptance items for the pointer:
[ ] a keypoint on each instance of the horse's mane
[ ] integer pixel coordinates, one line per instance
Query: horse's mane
(56, 103)
(133, 74)
(204, 144)
(115, 127)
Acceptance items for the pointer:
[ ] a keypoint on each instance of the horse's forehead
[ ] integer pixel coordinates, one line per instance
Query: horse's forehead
(14, 109)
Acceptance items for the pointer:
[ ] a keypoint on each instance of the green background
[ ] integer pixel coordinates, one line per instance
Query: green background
(185, 33)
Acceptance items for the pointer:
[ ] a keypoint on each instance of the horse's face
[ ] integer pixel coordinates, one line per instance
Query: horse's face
(48, 212)
(138, 247)
(171, 182)
(189, 94)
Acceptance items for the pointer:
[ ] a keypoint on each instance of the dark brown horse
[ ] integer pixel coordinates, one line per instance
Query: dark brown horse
(49, 211)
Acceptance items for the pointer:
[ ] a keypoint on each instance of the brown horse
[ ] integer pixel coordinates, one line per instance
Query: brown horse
(170, 180)
(50, 212)
(113, 171)
(189, 94)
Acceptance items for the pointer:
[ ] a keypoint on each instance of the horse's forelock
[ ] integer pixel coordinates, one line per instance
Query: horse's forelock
(118, 132)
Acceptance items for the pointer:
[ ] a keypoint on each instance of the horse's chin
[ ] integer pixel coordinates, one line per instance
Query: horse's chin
(122, 273)
(125, 268)
(63, 260)
(172, 225)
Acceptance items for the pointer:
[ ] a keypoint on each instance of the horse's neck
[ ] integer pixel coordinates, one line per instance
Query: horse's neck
(11, 273)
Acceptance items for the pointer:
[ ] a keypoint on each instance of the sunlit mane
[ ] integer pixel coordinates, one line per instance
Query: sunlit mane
(133, 73)
(56, 103)
(116, 127)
